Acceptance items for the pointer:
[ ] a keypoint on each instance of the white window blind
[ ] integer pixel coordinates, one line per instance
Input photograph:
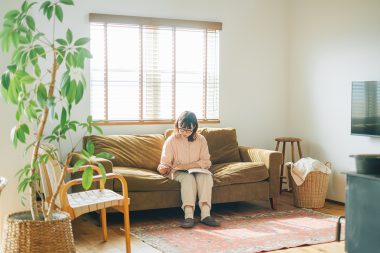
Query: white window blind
(147, 69)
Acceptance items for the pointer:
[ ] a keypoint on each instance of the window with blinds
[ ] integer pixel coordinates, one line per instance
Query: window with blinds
(148, 69)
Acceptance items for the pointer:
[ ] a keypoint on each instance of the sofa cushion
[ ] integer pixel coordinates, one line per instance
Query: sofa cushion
(239, 173)
(142, 180)
(138, 151)
(222, 145)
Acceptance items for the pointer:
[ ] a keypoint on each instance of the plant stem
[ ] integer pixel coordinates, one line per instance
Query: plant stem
(40, 131)
(61, 180)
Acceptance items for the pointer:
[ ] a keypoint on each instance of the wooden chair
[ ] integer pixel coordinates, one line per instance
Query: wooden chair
(83, 202)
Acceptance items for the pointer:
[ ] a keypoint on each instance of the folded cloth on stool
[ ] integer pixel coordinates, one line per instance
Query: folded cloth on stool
(304, 166)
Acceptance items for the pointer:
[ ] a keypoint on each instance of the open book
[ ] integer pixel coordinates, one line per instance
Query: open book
(198, 170)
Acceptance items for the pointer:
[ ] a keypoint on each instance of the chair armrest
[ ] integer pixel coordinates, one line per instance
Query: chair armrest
(272, 160)
(107, 164)
(82, 168)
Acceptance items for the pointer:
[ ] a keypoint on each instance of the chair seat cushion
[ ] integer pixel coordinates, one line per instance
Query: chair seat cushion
(144, 180)
(89, 201)
(239, 173)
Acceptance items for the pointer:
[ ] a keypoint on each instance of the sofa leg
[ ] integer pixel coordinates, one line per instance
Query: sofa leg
(273, 202)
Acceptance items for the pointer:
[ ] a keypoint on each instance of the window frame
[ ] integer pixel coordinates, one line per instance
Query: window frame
(154, 22)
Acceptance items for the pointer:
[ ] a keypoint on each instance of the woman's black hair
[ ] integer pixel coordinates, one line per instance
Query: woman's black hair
(187, 120)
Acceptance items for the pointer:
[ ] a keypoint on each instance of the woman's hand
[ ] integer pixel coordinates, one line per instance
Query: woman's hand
(164, 170)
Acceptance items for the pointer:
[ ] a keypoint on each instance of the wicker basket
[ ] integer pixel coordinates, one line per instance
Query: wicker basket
(312, 193)
(24, 235)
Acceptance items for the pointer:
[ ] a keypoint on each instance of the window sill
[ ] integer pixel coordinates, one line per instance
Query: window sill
(147, 122)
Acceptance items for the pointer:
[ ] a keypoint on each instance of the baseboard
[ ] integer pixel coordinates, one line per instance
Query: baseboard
(336, 202)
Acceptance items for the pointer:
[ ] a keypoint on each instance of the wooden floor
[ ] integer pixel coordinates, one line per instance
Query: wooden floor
(88, 237)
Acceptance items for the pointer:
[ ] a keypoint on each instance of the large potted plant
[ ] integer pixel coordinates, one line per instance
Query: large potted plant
(44, 80)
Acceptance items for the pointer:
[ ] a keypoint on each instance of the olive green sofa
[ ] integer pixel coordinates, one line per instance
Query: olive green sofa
(240, 173)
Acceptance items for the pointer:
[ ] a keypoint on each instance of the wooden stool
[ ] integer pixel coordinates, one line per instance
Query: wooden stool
(284, 140)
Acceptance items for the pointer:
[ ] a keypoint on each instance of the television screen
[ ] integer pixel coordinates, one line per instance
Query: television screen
(365, 108)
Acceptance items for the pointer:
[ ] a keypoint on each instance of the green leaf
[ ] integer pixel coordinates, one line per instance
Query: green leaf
(72, 126)
(87, 178)
(61, 42)
(15, 39)
(79, 93)
(25, 128)
(81, 41)
(49, 12)
(13, 136)
(85, 52)
(59, 12)
(37, 70)
(30, 22)
(11, 14)
(22, 185)
(89, 119)
(85, 153)
(5, 79)
(23, 40)
(31, 112)
(63, 117)
(21, 135)
(42, 95)
(103, 172)
(78, 164)
(40, 51)
(99, 129)
(67, 2)
(105, 155)
(90, 148)
(24, 6)
(69, 36)
(12, 68)
(51, 105)
(29, 6)
(19, 111)
(13, 90)
(27, 79)
(45, 5)
(70, 60)
(71, 92)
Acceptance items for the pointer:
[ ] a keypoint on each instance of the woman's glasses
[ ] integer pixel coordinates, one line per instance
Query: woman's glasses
(185, 130)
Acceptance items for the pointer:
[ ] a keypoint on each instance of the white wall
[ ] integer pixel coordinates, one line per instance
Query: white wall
(253, 68)
(11, 159)
(332, 43)
(253, 57)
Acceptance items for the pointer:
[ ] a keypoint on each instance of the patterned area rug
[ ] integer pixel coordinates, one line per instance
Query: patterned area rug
(242, 232)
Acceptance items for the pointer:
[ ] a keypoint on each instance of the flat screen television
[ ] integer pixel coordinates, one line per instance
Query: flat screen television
(365, 108)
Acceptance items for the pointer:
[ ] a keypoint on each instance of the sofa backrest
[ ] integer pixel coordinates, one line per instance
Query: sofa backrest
(138, 151)
(222, 144)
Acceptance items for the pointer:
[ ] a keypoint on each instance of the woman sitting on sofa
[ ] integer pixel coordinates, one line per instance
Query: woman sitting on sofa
(186, 149)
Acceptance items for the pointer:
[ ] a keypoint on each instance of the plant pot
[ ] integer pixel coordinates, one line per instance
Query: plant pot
(367, 163)
(22, 234)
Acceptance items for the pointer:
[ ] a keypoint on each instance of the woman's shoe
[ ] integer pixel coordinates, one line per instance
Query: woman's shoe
(188, 223)
(210, 221)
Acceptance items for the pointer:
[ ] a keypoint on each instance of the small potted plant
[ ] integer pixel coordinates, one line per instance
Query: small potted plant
(44, 80)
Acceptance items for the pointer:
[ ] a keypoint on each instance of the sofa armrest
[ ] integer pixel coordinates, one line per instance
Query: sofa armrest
(108, 166)
(271, 159)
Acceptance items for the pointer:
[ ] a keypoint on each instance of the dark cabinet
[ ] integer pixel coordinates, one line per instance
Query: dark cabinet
(363, 213)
